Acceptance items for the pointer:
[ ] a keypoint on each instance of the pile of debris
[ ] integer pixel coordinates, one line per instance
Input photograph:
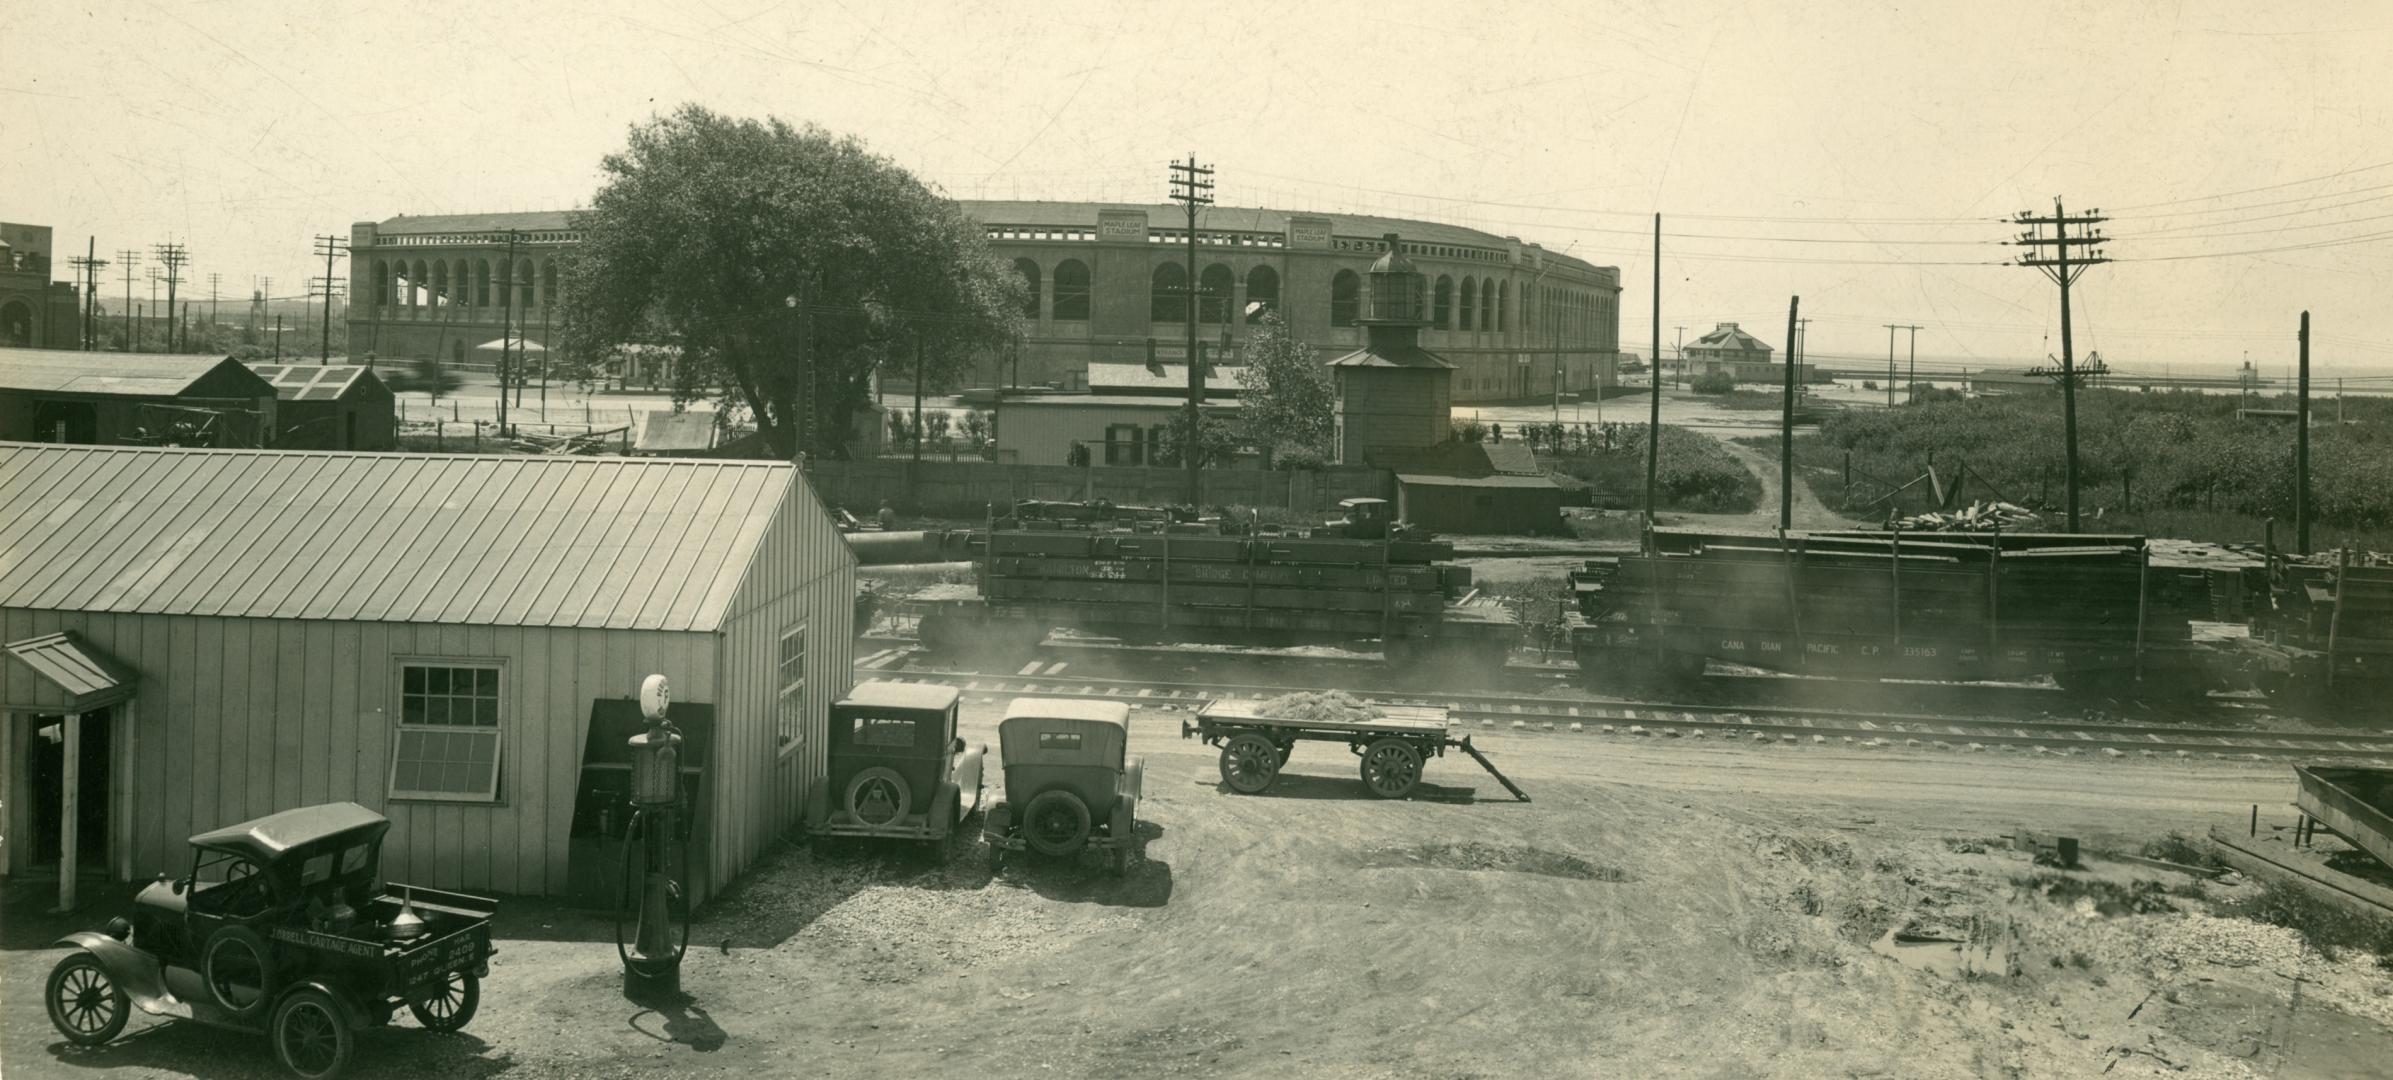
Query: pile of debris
(1334, 706)
(608, 441)
(1983, 516)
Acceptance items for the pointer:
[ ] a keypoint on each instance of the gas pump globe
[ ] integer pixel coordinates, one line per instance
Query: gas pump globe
(652, 924)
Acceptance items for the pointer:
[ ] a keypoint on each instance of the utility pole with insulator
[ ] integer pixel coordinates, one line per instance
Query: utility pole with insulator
(173, 256)
(2301, 448)
(331, 247)
(213, 277)
(126, 259)
(87, 272)
(2064, 266)
(1192, 186)
(1786, 422)
(1653, 423)
(1911, 381)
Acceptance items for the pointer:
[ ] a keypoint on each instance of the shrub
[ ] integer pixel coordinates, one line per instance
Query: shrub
(1694, 473)
(1712, 382)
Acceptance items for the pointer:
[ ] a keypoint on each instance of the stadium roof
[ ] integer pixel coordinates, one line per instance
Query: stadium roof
(62, 371)
(618, 543)
(530, 220)
(313, 382)
(1239, 218)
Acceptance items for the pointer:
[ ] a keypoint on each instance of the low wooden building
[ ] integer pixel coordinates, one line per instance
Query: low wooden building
(200, 637)
(1465, 487)
(108, 399)
(331, 407)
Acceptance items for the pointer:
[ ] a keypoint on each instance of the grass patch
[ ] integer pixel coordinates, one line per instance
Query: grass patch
(2330, 928)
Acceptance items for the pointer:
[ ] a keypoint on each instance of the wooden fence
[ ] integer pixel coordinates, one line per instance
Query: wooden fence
(967, 488)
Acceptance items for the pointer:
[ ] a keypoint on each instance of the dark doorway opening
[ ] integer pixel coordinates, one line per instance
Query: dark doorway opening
(76, 422)
(47, 754)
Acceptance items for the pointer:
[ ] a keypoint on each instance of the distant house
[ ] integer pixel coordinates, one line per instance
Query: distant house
(331, 407)
(104, 399)
(1732, 351)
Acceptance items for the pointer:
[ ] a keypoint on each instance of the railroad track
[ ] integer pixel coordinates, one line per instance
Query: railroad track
(1770, 724)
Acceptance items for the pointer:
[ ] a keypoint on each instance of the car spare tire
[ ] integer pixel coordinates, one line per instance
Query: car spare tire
(1056, 824)
(239, 969)
(879, 796)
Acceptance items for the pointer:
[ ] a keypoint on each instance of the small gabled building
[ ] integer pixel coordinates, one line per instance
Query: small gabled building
(200, 637)
(331, 407)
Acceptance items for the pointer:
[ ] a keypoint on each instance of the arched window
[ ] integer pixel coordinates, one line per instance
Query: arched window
(1470, 299)
(1217, 287)
(1071, 291)
(1029, 270)
(1441, 304)
(1168, 296)
(1487, 305)
(1262, 292)
(1529, 308)
(440, 285)
(416, 296)
(1503, 303)
(523, 284)
(1345, 298)
(482, 283)
(548, 282)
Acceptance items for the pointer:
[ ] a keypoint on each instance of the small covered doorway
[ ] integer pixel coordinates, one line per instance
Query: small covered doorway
(67, 755)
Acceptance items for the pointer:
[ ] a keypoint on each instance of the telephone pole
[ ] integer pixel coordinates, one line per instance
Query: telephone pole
(2064, 267)
(126, 258)
(1890, 329)
(1192, 186)
(506, 324)
(1653, 423)
(2301, 448)
(212, 279)
(87, 272)
(1681, 349)
(174, 256)
(1786, 424)
(331, 247)
(1911, 382)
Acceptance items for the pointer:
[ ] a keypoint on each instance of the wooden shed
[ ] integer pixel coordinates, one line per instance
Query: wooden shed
(199, 637)
(52, 395)
(331, 407)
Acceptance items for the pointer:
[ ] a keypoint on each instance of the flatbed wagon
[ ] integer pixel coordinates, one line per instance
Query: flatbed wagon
(1393, 745)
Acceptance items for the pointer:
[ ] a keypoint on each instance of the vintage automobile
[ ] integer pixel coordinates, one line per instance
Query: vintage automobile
(896, 767)
(282, 928)
(1069, 785)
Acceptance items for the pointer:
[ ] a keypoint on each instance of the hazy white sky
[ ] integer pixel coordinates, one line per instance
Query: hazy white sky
(1855, 154)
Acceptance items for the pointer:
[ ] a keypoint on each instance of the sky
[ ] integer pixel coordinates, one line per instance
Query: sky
(1867, 157)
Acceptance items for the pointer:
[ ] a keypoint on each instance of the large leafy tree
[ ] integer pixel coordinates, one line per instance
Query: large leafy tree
(1285, 397)
(786, 263)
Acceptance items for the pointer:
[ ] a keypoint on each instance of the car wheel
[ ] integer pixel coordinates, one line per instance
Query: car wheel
(451, 1005)
(85, 1004)
(1249, 763)
(1391, 768)
(311, 1038)
(1056, 824)
(878, 796)
(239, 970)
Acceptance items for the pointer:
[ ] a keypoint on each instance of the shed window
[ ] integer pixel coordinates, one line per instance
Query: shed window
(449, 733)
(791, 677)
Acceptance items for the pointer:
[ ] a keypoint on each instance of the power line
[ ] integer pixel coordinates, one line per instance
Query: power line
(2265, 187)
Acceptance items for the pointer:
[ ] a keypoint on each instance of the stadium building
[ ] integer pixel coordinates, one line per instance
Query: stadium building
(1517, 321)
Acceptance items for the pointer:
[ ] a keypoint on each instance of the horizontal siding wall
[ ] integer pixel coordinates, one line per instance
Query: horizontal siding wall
(237, 718)
(802, 573)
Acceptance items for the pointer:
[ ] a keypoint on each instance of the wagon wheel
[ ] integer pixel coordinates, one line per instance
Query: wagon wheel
(1249, 763)
(1056, 824)
(310, 1037)
(85, 1004)
(1391, 768)
(239, 971)
(451, 1005)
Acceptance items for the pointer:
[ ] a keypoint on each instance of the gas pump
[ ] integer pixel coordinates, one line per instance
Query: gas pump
(652, 923)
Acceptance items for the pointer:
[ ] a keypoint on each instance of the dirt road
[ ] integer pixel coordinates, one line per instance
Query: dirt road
(1665, 908)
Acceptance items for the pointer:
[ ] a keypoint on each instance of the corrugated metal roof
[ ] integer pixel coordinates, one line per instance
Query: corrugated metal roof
(61, 371)
(433, 538)
(311, 382)
(1500, 480)
(1074, 400)
(86, 677)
